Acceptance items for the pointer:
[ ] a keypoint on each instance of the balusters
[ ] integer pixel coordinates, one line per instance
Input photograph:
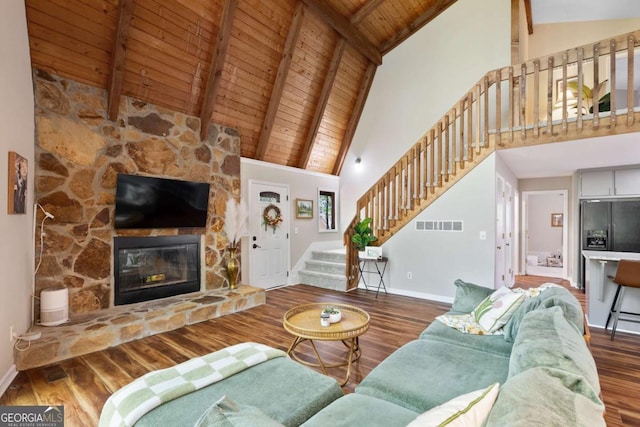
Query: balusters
(580, 85)
(522, 101)
(550, 96)
(536, 101)
(447, 161)
(512, 109)
(630, 51)
(463, 150)
(596, 86)
(612, 80)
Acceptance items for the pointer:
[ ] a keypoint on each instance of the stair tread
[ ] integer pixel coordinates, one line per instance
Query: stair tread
(321, 274)
(324, 262)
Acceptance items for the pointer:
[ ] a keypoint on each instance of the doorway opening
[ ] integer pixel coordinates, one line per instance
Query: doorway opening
(544, 221)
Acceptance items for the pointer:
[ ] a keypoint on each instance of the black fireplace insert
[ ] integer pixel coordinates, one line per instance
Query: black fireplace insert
(148, 268)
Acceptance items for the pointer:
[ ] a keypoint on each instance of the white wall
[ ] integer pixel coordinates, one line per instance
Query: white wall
(302, 185)
(551, 38)
(542, 236)
(437, 258)
(418, 82)
(16, 134)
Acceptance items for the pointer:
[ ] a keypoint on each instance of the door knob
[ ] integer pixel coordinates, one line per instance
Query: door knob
(499, 247)
(256, 246)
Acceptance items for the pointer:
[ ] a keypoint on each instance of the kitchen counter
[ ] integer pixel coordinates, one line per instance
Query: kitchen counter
(600, 290)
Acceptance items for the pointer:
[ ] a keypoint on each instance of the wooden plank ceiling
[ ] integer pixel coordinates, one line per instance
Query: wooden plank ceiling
(291, 75)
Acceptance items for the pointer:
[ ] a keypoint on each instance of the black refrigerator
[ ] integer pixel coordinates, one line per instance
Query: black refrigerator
(609, 225)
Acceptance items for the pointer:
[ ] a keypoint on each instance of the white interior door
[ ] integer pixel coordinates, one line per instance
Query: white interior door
(508, 235)
(500, 233)
(268, 244)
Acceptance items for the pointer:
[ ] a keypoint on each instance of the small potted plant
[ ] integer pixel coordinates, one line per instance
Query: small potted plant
(363, 235)
(334, 314)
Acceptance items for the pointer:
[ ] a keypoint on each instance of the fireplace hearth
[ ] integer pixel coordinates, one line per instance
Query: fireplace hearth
(148, 268)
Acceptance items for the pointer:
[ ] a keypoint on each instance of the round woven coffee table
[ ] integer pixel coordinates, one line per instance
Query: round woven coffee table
(303, 322)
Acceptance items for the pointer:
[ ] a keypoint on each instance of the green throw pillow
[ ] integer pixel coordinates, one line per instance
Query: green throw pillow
(468, 296)
(226, 413)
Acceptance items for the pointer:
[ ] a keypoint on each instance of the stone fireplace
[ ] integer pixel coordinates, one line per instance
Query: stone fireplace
(147, 268)
(79, 153)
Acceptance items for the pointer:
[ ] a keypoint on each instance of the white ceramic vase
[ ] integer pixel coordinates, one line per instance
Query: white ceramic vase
(335, 317)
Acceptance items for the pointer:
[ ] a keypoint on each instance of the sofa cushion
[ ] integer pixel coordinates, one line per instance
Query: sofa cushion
(468, 296)
(551, 297)
(360, 410)
(282, 389)
(546, 338)
(226, 413)
(495, 344)
(424, 373)
(496, 309)
(470, 409)
(546, 397)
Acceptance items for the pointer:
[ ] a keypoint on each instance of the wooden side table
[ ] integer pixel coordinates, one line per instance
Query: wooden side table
(366, 265)
(303, 322)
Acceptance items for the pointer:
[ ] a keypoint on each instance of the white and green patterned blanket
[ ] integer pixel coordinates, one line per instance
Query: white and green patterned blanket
(466, 323)
(131, 402)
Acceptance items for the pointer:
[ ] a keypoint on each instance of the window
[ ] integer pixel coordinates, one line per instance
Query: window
(327, 211)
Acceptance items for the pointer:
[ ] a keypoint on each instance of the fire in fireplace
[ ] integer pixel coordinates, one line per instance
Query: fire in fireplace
(148, 268)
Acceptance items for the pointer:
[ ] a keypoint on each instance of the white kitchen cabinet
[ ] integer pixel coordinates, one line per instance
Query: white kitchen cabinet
(627, 182)
(596, 184)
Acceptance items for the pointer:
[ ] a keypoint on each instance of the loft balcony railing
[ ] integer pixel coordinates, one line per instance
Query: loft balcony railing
(584, 92)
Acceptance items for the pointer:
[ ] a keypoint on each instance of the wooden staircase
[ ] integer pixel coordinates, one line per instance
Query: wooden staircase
(510, 107)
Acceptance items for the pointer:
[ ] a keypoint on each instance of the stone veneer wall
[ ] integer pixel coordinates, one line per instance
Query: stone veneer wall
(79, 153)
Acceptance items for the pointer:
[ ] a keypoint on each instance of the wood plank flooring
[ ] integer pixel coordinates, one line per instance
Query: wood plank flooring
(395, 320)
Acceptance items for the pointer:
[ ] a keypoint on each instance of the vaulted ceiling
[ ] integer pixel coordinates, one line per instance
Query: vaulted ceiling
(291, 75)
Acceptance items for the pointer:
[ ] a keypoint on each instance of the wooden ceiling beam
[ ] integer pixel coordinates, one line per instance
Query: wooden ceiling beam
(365, 10)
(363, 93)
(529, 16)
(114, 89)
(430, 14)
(322, 103)
(281, 78)
(344, 27)
(217, 64)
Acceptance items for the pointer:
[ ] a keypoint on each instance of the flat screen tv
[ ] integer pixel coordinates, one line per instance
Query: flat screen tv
(149, 202)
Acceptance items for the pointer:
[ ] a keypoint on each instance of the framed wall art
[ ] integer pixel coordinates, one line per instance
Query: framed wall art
(556, 220)
(17, 188)
(304, 209)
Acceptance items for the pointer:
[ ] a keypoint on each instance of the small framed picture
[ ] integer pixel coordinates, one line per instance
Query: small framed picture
(556, 220)
(304, 209)
(17, 194)
(373, 252)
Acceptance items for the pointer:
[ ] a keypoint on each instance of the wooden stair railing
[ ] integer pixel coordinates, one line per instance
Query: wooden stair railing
(509, 107)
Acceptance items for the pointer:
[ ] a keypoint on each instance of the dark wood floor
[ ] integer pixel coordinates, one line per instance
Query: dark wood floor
(83, 384)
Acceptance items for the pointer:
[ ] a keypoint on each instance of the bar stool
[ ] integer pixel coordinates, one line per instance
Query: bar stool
(627, 275)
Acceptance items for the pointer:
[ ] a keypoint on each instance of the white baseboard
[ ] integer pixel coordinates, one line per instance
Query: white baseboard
(420, 295)
(5, 382)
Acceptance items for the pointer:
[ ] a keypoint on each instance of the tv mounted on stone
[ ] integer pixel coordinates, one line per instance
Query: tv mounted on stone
(151, 202)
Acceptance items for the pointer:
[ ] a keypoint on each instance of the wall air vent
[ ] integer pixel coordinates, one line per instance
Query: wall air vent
(436, 225)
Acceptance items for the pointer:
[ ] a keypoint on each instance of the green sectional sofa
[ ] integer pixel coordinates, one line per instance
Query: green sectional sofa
(546, 373)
